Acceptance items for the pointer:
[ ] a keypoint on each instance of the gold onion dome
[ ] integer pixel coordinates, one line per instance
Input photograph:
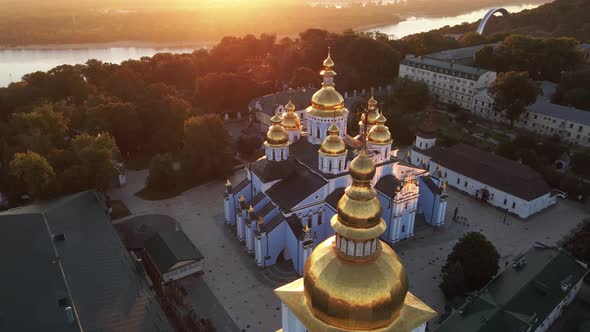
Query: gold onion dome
(380, 134)
(356, 292)
(290, 120)
(333, 143)
(276, 134)
(327, 102)
(372, 102)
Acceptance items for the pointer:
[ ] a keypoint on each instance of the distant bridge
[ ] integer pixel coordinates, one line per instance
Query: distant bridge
(488, 15)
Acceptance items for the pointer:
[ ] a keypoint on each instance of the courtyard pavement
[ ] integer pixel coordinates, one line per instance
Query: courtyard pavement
(230, 273)
(247, 296)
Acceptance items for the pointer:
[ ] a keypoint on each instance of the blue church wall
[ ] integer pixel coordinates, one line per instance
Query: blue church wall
(429, 203)
(386, 214)
(276, 243)
(293, 247)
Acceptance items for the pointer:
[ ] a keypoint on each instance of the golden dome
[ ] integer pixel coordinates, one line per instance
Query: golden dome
(333, 143)
(276, 134)
(354, 295)
(358, 291)
(372, 116)
(379, 134)
(372, 103)
(327, 102)
(291, 120)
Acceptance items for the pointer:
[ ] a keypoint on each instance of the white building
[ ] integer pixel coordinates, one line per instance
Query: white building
(528, 296)
(501, 182)
(451, 83)
(543, 117)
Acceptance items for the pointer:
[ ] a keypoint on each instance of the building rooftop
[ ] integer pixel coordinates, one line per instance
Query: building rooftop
(292, 190)
(388, 185)
(75, 258)
(458, 54)
(520, 298)
(543, 105)
(269, 103)
(166, 249)
(495, 171)
(444, 67)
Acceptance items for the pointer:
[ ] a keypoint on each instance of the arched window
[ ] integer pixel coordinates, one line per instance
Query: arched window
(359, 249)
(350, 248)
(320, 217)
(340, 165)
(329, 166)
(273, 155)
(318, 132)
(310, 221)
(282, 156)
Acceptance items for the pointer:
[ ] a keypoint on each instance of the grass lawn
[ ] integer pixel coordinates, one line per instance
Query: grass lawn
(120, 210)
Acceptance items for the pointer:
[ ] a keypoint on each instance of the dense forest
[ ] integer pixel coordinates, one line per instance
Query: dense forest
(67, 123)
(561, 18)
(182, 21)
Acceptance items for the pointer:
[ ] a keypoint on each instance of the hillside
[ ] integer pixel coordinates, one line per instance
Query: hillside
(561, 18)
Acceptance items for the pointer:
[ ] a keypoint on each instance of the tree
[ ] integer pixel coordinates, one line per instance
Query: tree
(513, 92)
(40, 130)
(581, 164)
(95, 167)
(34, 170)
(477, 258)
(574, 89)
(206, 151)
(247, 145)
(484, 58)
(411, 95)
(121, 120)
(453, 279)
(162, 176)
(471, 39)
(302, 77)
(543, 59)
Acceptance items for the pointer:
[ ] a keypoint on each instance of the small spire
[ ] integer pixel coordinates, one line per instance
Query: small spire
(260, 220)
(227, 183)
(251, 209)
(329, 63)
(242, 199)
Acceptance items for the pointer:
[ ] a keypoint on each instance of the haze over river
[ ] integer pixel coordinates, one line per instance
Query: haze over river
(14, 63)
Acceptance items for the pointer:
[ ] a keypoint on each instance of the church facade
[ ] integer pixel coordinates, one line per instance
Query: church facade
(282, 209)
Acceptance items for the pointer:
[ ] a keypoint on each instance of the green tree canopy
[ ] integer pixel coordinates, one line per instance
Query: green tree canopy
(471, 39)
(95, 167)
(40, 130)
(302, 77)
(410, 95)
(476, 258)
(484, 58)
(206, 151)
(34, 170)
(162, 176)
(513, 92)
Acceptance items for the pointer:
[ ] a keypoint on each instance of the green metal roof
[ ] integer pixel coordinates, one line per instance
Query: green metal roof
(166, 249)
(444, 67)
(90, 270)
(519, 298)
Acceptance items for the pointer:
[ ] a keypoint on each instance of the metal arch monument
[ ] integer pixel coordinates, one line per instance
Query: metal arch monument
(487, 16)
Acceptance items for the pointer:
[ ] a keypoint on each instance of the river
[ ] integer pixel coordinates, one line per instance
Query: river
(14, 63)
(422, 24)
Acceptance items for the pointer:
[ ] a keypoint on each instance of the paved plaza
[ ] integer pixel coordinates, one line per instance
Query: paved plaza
(246, 294)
